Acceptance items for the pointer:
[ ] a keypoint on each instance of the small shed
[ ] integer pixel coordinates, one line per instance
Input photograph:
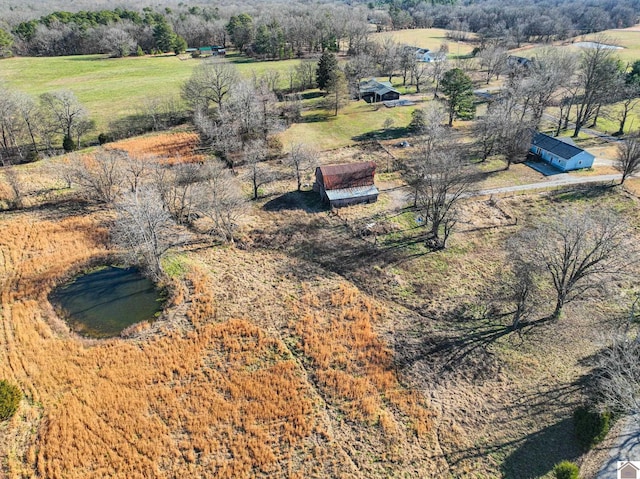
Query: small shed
(347, 184)
(560, 154)
(373, 91)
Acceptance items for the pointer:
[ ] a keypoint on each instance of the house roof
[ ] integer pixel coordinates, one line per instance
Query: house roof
(355, 192)
(513, 59)
(349, 175)
(555, 146)
(378, 87)
(628, 465)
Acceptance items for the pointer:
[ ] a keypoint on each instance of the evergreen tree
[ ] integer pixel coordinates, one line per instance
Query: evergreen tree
(6, 42)
(458, 88)
(179, 44)
(327, 65)
(164, 36)
(240, 29)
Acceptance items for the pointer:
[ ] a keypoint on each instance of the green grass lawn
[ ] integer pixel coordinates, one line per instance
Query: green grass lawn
(108, 88)
(112, 88)
(430, 38)
(359, 120)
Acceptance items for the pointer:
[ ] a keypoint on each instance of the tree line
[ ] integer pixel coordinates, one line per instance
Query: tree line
(294, 29)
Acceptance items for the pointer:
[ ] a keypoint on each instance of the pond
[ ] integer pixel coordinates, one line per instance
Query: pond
(596, 45)
(103, 303)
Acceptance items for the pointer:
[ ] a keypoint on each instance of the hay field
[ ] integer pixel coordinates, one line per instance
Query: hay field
(172, 147)
(431, 38)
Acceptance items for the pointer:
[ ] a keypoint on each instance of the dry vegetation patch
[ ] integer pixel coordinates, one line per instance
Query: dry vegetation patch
(220, 400)
(180, 147)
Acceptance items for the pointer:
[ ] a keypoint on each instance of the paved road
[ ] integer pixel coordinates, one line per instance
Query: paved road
(563, 179)
(627, 448)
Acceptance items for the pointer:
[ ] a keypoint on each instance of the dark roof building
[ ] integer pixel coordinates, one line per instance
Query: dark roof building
(561, 154)
(373, 91)
(342, 185)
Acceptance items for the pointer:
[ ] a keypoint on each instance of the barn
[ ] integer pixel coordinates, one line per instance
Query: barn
(347, 184)
(560, 154)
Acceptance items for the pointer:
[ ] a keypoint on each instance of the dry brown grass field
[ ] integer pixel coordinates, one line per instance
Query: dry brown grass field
(307, 350)
(169, 147)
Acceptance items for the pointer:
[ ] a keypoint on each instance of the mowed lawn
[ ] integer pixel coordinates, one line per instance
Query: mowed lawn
(112, 88)
(357, 121)
(431, 38)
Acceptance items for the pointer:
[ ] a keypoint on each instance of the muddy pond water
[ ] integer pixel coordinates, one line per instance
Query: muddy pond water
(103, 303)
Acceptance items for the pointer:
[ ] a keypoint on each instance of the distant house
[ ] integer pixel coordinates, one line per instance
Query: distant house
(348, 184)
(215, 50)
(519, 63)
(560, 154)
(373, 91)
(426, 55)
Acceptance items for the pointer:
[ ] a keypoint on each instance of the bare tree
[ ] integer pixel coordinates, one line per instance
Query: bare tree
(406, 61)
(116, 42)
(135, 171)
(578, 250)
(418, 71)
(15, 185)
(223, 202)
(618, 375)
(178, 188)
(597, 73)
(68, 115)
(439, 181)
(356, 70)
(306, 74)
(209, 83)
(258, 173)
(553, 68)
(387, 58)
(301, 159)
(438, 69)
(494, 60)
(337, 92)
(221, 133)
(626, 98)
(31, 115)
(628, 157)
(144, 230)
(99, 174)
(430, 142)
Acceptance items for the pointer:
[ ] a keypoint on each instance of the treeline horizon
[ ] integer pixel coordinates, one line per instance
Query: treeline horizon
(294, 28)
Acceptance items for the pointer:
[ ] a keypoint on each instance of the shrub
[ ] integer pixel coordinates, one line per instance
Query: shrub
(104, 138)
(418, 121)
(68, 144)
(10, 397)
(274, 145)
(566, 470)
(591, 427)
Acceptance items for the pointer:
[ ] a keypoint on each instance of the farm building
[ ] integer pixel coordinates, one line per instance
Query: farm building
(562, 155)
(373, 91)
(348, 184)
